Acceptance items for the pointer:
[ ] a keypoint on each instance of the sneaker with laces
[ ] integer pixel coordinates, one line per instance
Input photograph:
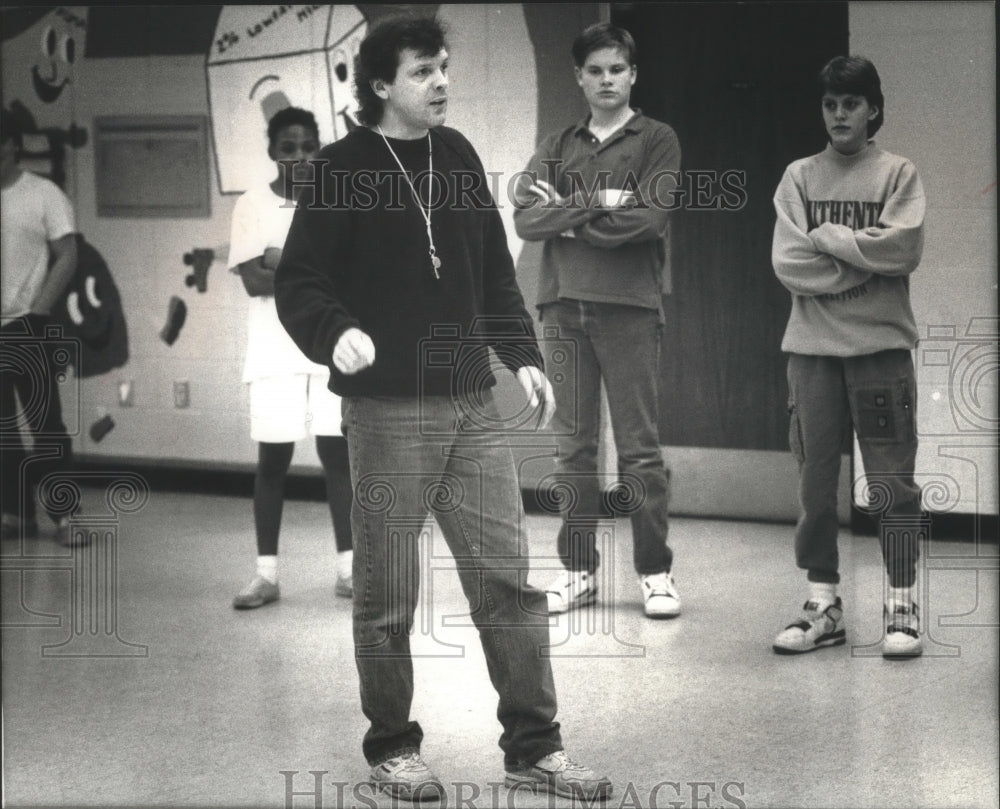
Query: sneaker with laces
(821, 625)
(407, 777)
(256, 594)
(344, 586)
(557, 774)
(660, 595)
(902, 631)
(571, 589)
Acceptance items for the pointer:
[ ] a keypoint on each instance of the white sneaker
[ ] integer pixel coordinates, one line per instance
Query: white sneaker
(571, 589)
(256, 594)
(660, 594)
(820, 625)
(407, 777)
(902, 631)
(557, 774)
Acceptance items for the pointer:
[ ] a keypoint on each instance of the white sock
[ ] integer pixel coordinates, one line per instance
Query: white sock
(823, 592)
(899, 595)
(267, 567)
(345, 564)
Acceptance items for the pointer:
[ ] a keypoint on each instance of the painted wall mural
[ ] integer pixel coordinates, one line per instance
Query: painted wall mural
(265, 58)
(40, 92)
(254, 60)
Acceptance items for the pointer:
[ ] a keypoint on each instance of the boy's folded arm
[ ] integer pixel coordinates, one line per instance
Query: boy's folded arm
(537, 219)
(658, 180)
(620, 226)
(800, 267)
(892, 247)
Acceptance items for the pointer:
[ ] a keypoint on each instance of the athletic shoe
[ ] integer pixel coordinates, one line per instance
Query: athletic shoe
(557, 774)
(902, 631)
(571, 589)
(407, 777)
(821, 625)
(660, 595)
(256, 594)
(344, 587)
(67, 537)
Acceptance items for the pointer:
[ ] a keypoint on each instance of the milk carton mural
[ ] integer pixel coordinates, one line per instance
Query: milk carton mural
(264, 58)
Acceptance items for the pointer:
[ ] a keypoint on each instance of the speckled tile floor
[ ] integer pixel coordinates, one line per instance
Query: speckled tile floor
(128, 679)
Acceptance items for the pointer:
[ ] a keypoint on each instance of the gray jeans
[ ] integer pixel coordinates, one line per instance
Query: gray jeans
(876, 394)
(619, 345)
(411, 458)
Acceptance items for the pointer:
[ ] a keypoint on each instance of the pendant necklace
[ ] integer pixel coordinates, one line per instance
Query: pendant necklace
(424, 212)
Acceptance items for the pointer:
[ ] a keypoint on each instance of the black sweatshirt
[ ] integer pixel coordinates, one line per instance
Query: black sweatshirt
(357, 256)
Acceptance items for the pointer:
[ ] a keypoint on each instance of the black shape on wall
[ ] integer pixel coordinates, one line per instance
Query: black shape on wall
(90, 310)
(737, 82)
(164, 30)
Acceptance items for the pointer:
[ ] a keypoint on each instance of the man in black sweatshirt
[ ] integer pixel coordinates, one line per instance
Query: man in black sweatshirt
(396, 274)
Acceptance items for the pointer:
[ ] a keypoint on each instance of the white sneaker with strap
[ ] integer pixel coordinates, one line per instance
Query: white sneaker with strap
(821, 625)
(902, 631)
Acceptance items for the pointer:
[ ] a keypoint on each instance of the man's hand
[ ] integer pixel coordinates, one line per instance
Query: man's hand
(271, 258)
(354, 352)
(537, 388)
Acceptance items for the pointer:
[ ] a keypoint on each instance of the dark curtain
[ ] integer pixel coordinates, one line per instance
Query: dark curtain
(737, 82)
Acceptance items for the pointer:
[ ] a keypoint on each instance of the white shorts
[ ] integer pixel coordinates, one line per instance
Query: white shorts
(285, 409)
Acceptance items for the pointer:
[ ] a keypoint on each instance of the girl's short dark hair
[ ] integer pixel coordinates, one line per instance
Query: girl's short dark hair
(602, 35)
(855, 75)
(378, 57)
(290, 116)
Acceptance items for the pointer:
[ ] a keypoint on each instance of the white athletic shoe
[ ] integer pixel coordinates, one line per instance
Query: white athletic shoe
(660, 595)
(902, 631)
(821, 625)
(571, 589)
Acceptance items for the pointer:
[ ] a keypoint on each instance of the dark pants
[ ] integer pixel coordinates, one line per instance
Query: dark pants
(621, 345)
(273, 461)
(30, 364)
(411, 458)
(875, 393)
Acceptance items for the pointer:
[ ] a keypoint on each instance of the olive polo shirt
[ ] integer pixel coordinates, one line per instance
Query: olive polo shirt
(593, 252)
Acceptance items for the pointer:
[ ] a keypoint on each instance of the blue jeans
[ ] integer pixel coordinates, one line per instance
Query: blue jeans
(620, 344)
(877, 394)
(411, 458)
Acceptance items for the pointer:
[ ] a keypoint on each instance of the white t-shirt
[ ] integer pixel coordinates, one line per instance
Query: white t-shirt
(261, 219)
(33, 212)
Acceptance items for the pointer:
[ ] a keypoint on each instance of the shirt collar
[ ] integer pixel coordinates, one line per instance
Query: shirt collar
(634, 124)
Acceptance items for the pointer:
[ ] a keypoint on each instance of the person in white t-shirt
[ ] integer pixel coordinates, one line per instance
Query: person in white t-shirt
(289, 397)
(38, 257)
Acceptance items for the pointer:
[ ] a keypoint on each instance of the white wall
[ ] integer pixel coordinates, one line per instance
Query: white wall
(937, 62)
